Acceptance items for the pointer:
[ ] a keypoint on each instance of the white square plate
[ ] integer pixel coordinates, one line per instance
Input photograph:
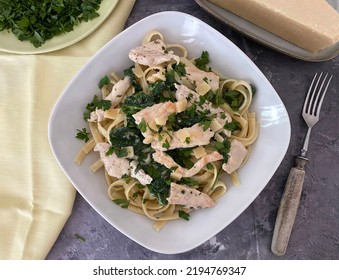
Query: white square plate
(268, 151)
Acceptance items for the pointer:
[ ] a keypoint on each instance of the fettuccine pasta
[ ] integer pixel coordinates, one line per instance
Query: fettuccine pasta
(167, 130)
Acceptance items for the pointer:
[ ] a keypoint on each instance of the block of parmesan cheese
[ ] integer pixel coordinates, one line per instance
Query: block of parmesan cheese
(310, 24)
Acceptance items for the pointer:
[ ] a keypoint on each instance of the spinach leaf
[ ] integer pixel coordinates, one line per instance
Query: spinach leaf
(189, 117)
(160, 185)
(157, 90)
(170, 81)
(186, 118)
(182, 156)
(137, 102)
(254, 89)
(125, 136)
(129, 136)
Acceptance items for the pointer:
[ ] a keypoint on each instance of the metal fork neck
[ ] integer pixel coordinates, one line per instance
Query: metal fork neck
(306, 141)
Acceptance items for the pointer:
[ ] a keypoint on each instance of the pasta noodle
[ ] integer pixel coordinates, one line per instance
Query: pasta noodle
(178, 126)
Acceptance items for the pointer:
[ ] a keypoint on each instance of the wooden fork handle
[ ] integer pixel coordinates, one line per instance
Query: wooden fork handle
(288, 207)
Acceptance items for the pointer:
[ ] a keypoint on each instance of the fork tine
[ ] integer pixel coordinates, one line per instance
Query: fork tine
(318, 106)
(310, 93)
(315, 92)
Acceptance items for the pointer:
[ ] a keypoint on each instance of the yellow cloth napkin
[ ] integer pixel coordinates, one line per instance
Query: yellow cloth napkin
(36, 198)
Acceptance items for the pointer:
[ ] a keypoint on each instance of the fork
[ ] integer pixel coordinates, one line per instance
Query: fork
(291, 197)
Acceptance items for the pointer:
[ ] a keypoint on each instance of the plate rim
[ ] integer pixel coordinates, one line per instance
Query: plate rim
(220, 226)
(106, 8)
(323, 55)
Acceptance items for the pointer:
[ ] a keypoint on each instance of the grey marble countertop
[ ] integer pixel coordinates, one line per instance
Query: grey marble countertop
(316, 230)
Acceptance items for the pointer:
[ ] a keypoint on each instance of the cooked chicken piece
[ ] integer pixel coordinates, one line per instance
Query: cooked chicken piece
(197, 137)
(183, 92)
(116, 167)
(152, 54)
(97, 116)
(159, 110)
(116, 95)
(189, 197)
(237, 155)
(141, 176)
(168, 161)
(118, 91)
(197, 76)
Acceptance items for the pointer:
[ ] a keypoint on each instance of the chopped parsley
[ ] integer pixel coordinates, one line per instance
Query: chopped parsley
(205, 123)
(184, 215)
(180, 69)
(234, 99)
(94, 104)
(122, 202)
(134, 196)
(232, 126)
(189, 182)
(142, 125)
(79, 237)
(104, 81)
(37, 21)
(202, 61)
(82, 134)
(126, 178)
(119, 151)
(166, 144)
(216, 98)
(222, 147)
